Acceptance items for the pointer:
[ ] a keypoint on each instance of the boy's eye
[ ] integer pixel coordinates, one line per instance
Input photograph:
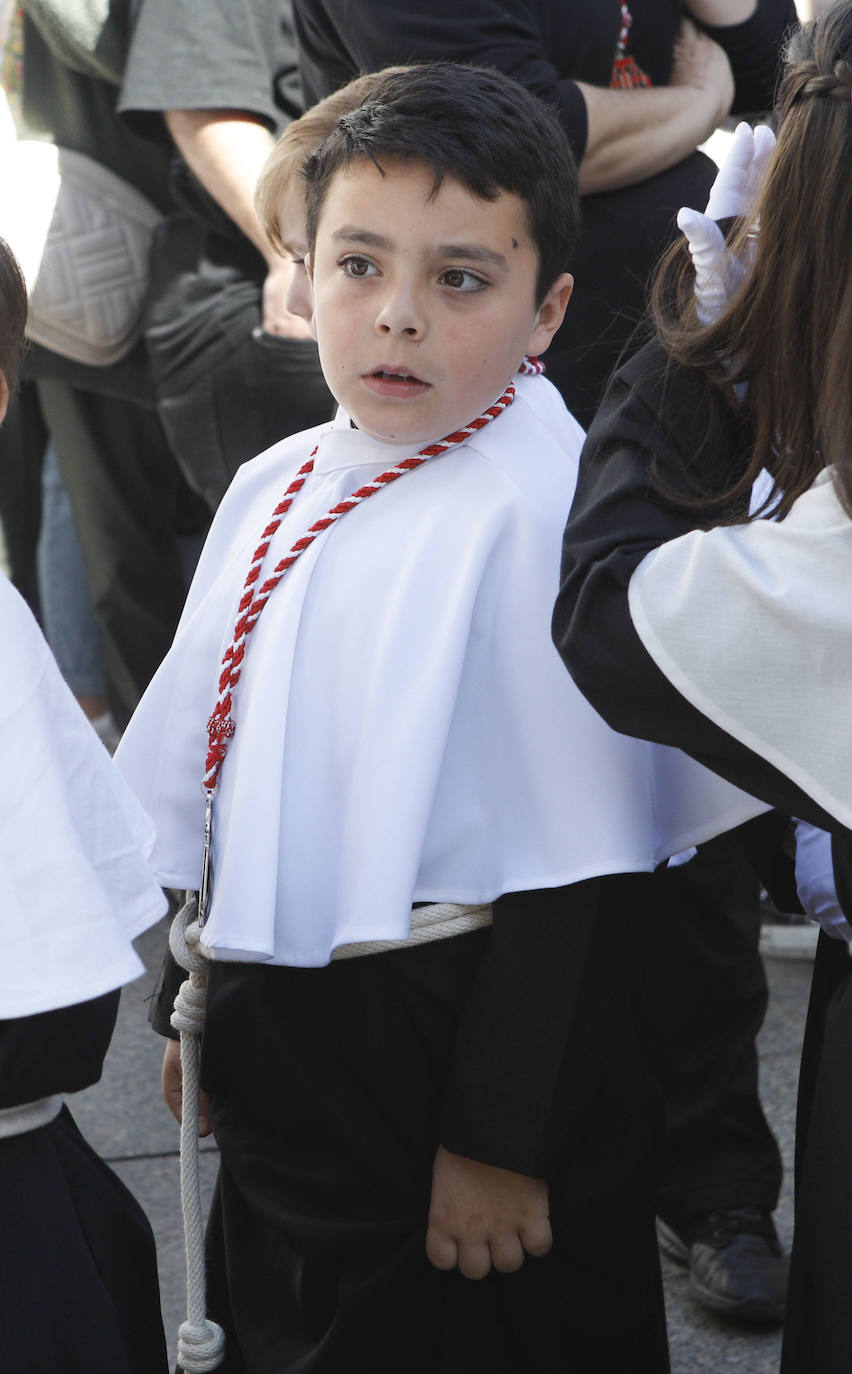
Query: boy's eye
(355, 266)
(460, 279)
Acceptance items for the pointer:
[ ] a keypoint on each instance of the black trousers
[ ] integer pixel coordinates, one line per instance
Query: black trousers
(818, 1328)
(703, 961)
(327, 1088)
(78, 1269)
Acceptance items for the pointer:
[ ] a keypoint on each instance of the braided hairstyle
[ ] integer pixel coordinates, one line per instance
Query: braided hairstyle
(787, 332)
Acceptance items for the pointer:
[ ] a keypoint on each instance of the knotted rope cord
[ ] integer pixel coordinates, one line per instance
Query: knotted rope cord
(201, 1342)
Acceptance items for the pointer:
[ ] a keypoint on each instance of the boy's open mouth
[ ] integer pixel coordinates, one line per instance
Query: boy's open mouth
(394, 381)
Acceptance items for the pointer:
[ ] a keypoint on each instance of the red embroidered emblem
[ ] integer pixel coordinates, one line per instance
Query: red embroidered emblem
(626, 72)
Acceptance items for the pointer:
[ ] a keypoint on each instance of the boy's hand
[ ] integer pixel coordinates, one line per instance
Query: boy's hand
(482, 1217)
(172, 1086)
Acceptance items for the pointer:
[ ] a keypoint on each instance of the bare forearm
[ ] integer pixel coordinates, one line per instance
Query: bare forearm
(226, 151)
(721, 12)
(635, 134)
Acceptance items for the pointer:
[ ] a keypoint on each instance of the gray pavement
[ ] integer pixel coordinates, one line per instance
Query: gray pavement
(124, 1118)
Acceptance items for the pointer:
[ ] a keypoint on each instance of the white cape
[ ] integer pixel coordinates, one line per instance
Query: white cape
(753, 625)
(75, 887)
(405, 730)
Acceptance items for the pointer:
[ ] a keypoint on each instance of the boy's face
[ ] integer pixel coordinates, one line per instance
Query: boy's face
(291, 219)
(423, 306)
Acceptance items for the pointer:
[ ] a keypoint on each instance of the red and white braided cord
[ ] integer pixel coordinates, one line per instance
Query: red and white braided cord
(220, 726)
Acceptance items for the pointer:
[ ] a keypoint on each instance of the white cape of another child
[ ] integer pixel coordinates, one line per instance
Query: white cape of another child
(75, 887)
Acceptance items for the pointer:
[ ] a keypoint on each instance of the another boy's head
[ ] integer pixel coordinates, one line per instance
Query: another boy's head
(441, 215)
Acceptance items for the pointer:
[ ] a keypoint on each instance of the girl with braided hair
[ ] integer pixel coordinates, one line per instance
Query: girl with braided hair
(706, 567)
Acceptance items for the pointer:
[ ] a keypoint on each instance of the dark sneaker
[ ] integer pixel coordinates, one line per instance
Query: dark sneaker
(735, 1263)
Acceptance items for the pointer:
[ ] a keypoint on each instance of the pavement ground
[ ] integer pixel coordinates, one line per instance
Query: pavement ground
(126, 1121)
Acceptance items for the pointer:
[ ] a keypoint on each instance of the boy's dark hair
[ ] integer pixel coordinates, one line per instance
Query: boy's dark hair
(476, 125)
(13, 314)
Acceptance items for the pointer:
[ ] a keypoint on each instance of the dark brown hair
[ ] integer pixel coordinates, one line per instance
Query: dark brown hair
(301, 138)
(13, 315)
(472, 124)
(781, 353)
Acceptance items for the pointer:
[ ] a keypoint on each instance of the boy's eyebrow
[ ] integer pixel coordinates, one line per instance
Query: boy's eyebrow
(349, 233)
(468, 252)
(472, 252)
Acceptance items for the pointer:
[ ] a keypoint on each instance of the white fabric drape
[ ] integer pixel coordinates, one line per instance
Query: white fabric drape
(753, 625)
(75, 887)
(405, 730)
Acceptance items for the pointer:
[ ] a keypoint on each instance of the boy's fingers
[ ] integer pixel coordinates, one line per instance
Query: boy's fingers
(537, 1237)
(172, 1078)
(441, 1249)
(204, 1126)
(507, 1253)
(474, 1259)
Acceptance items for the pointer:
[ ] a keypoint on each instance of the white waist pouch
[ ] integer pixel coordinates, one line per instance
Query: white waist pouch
(83, 238)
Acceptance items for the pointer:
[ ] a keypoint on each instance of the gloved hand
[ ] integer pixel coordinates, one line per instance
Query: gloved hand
(718, 275)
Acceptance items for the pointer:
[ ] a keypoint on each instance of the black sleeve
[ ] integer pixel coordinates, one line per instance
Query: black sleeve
(516, 1026)
(162, 1001)
(55, 1051)
(338, 40)
(754, 50)
(651, 412)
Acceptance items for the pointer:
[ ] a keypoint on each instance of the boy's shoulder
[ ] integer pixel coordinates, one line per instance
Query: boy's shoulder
(537, 443)
(277, 459)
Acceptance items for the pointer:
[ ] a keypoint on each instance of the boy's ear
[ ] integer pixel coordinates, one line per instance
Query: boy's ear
(550, 314)
(4, 397)
(309, 266)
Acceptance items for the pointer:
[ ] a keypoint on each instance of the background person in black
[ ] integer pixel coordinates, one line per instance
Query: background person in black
(638, 89)
(650, 474)
(126, 491)
(637, 93)
(233, 370)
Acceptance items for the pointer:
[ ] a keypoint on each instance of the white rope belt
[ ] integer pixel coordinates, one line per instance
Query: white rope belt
(439, 921)
(29, 1116)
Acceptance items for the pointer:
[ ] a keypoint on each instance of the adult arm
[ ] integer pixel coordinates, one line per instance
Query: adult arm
(218, 78)
(226, 150)
(634, 134)
(753, 43)
(618, 137)
(650, 414)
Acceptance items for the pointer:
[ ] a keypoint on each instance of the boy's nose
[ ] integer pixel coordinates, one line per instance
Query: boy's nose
(400, 314)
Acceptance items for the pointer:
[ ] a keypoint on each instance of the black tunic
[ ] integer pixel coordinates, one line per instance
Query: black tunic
(522, 1046)
(78, 1275)
(665, 413)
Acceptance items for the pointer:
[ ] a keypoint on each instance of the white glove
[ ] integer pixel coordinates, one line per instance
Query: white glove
(815, 881)
(718, 275)
(741, 174)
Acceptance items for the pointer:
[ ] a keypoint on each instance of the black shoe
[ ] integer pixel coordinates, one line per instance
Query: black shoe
(735, 1263)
